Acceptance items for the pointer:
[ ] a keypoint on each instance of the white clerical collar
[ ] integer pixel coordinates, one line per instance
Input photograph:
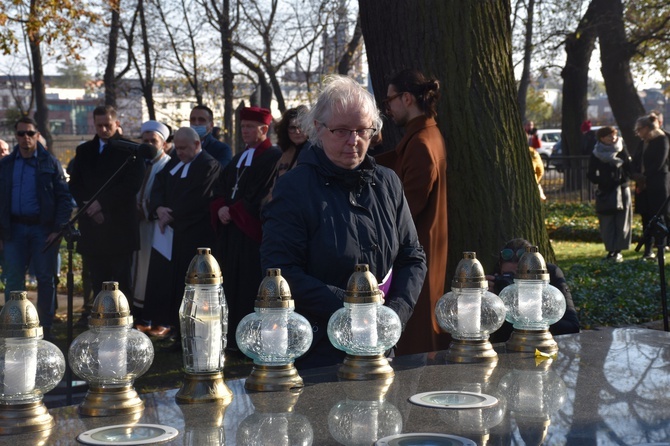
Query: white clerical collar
(184, 172)
(246, 158)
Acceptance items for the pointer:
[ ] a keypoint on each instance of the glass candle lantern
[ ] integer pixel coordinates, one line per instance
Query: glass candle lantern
(110, 355)
(532, 305)
(29, 367)
(273, 336)
(470, 313)
(364, 328)
(203, 318)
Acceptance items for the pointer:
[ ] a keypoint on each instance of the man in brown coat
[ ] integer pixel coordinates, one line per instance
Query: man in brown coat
(420, 160)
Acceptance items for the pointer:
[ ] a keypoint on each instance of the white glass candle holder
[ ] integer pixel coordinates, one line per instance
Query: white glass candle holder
(274, 335)
(29, 367)
(470, 313)
(110, 355)
(203, 319)
(365, 329)
(532, 305)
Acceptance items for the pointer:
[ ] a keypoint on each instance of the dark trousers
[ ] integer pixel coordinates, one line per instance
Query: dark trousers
(106, 268)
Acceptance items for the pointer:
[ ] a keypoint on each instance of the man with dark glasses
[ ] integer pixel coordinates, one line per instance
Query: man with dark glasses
(508, 261)
(34, 204)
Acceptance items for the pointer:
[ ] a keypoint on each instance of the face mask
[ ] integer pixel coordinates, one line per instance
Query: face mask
(201, 130)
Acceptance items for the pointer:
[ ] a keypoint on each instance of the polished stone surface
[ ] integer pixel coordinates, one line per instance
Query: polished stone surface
(606, 387)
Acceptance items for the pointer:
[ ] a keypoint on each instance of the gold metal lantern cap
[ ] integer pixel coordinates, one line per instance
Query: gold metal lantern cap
(469, 273)
(274, 291)
(19, 319)
(532, 265)
(204, 269)
(110, 308)
(362, 287)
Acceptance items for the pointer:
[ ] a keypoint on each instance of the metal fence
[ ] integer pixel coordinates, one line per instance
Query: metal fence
(565, 180)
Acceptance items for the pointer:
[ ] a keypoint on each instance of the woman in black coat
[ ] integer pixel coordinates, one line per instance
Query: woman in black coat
(610, 169)
(651, 174)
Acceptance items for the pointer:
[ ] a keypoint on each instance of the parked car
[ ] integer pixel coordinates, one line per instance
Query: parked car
(548, 138)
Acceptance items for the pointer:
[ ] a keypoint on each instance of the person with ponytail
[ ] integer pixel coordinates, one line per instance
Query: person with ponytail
(420, 160)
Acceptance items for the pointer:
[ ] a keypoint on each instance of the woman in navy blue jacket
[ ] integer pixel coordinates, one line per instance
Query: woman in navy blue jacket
(336, 209)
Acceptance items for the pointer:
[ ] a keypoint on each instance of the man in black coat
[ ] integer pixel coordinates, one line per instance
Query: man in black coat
(109, 227)
(179, 205)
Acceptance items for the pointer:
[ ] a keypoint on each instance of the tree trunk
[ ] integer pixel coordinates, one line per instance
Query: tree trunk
(615, 55)
(39, 89)
(493, 196)
(227, 71)
(344, 65)
(109, 77)
(148, 84)
(524, 82)
(579, 46)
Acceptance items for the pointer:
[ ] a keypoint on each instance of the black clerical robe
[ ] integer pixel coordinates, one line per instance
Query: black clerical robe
(189, 197)
(243, 188)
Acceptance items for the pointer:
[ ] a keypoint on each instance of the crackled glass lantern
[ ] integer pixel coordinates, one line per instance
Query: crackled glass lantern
(29, 367)
(364, 328)
(532, 305)
(203, 318)
(470, 313)
(273, 336)
(533, 393)
(364, 416)
(110, 355)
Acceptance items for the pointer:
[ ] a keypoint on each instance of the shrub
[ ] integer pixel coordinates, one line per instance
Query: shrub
(615, 294)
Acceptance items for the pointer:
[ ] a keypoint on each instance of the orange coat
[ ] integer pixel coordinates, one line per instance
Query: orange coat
(420, 160)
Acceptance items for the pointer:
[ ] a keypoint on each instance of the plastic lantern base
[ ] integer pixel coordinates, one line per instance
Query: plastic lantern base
(273, 378)
(23, 418)
(529, 340)
(204, 388)
(111, 401)
(361, 368)
(471, 351)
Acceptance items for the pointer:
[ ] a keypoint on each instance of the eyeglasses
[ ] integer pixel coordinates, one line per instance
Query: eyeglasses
(294, 129)
(23, 133)
(346, 133)
(388, 99)
(509, 254)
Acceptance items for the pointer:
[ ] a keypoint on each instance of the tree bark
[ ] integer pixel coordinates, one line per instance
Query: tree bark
(39, 88)
(524, 82)
(227, 57)
(148, 81)
(344, 65)
(109, 78)
(579, 46)
(615, 55)
(493, 196)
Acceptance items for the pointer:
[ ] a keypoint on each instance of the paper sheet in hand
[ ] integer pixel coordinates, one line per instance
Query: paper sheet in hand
(163, 242)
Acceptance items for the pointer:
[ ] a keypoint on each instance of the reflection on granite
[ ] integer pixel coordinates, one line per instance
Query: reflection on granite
(606, 387)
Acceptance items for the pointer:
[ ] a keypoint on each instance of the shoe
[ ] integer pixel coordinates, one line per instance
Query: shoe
(610, 256)
(159, 332)
(143, 328)
(649, 257)
(618, 258)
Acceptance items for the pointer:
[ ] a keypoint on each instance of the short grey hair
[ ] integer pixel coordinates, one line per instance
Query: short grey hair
(338, 94)
(187, 132)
